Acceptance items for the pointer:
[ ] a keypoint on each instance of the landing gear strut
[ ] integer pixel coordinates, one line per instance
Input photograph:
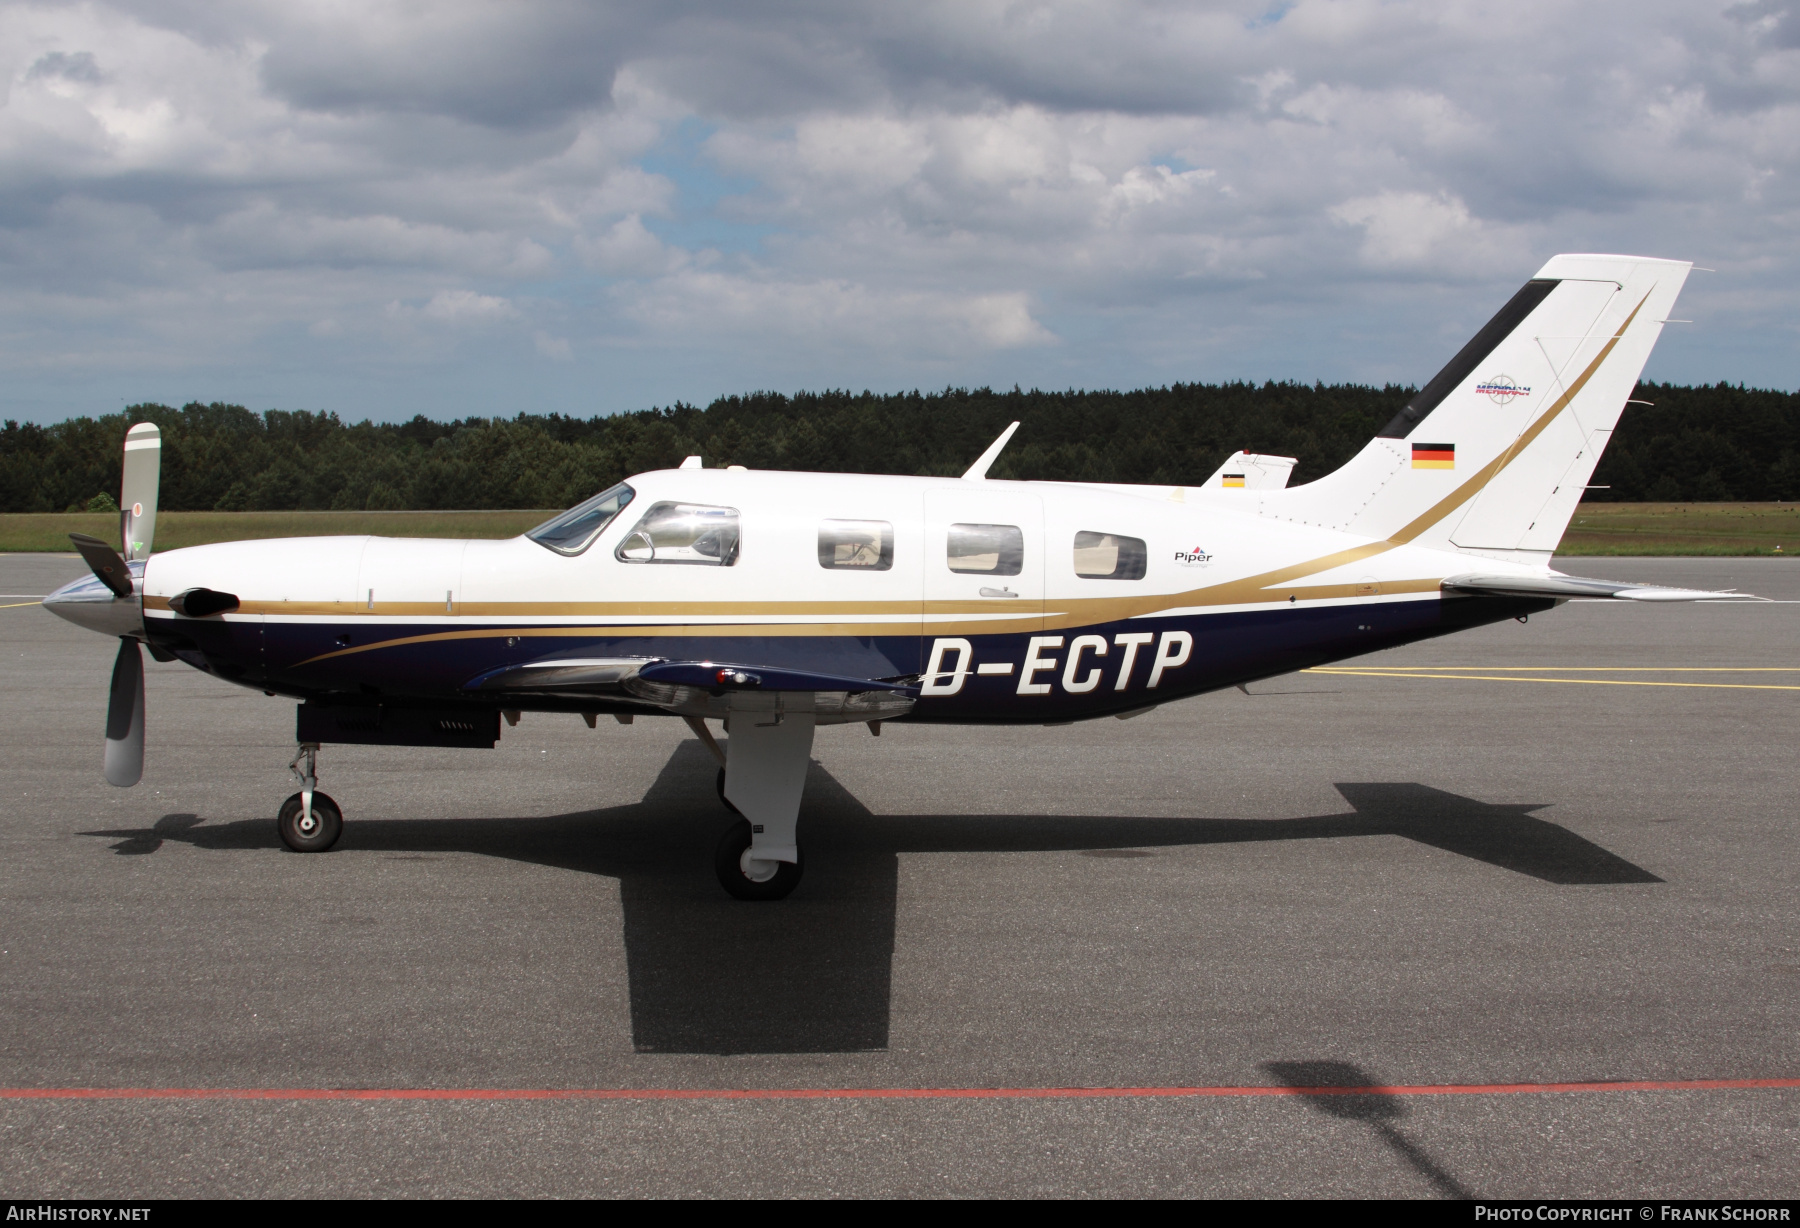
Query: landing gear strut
(745, 877)
(309, 821)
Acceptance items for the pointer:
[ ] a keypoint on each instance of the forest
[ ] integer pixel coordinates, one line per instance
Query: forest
(1716, 442)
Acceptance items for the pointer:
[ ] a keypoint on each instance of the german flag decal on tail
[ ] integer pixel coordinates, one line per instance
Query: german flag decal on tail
(1434, 456)
(1231, 479)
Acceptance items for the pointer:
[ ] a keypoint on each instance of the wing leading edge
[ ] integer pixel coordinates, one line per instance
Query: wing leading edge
(702, 688)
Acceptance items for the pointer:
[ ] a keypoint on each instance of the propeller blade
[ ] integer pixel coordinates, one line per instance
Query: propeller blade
(125, 717)
(105, 562)
(137, 490)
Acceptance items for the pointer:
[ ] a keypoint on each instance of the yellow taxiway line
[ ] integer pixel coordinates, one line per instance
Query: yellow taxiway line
(1466, 675)
(1590, 669)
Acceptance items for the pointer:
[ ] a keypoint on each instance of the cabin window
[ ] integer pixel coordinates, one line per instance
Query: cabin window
(1109, 556)
(856, 545)
(986, 549)
(575, 530)
(683, 533)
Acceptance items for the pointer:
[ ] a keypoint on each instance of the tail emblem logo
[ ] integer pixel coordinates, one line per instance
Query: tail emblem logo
(1500, 389)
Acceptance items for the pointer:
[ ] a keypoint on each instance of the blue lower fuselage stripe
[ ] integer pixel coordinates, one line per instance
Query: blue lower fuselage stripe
(306, 658)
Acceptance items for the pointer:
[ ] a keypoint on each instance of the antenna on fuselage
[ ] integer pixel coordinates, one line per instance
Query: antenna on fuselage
(978, 471)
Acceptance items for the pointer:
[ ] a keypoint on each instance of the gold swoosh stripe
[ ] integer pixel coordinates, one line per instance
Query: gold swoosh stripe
(1265, 587)
(687, 631)
(1000, 626)
(1071, 612)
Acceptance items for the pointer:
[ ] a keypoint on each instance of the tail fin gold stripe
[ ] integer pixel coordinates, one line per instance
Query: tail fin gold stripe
(1479, 480)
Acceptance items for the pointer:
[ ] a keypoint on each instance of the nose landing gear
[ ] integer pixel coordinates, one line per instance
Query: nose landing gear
(309, 821)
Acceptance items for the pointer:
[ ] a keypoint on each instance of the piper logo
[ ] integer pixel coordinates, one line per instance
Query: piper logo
(1193, 558)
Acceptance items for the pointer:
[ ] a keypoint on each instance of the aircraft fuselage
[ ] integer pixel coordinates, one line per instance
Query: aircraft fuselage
(1090, 602)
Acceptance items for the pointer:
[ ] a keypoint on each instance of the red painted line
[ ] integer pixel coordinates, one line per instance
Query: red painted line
(864, 1093)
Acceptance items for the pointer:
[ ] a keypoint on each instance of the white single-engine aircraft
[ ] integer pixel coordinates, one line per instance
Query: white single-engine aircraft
(776, 602)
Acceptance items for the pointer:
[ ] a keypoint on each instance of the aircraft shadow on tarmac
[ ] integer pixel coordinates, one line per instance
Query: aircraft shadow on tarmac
(811, 974)
(1381, 1111)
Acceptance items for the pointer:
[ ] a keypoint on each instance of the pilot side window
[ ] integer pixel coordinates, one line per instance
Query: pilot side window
(856, 545)
(1109, 556)
(575, 530)
(683, 533)
(986, 549)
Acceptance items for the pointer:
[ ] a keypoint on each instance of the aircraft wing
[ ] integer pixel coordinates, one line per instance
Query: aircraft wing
(698, 688)
(1564, 587)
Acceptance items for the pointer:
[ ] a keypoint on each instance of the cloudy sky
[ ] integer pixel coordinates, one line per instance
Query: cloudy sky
(459, 207)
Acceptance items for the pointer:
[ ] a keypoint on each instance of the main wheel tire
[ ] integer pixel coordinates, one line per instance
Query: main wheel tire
(731, 862)
(726, 801)
(315, 834)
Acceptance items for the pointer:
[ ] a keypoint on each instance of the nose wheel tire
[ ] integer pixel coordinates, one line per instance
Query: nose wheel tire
(314, 832)
(746, 878)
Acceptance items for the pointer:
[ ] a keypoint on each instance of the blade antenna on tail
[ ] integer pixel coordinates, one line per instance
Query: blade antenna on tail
(978, 471)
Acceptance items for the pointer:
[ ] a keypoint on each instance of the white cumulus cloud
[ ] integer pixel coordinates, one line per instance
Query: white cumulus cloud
(196, 201)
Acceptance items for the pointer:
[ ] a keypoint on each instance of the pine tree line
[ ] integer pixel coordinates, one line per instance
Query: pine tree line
(1711, 442)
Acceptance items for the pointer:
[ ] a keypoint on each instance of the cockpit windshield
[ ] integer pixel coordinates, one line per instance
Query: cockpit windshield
(575, 530)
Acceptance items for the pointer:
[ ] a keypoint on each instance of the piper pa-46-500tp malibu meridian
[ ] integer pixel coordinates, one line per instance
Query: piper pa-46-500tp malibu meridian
(776, 602)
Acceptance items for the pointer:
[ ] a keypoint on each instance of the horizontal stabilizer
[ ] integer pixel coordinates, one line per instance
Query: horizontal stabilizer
(1252, 471)
(1576, 586)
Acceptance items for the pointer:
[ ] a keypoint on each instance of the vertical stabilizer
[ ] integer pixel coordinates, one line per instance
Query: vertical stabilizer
(1492, 455)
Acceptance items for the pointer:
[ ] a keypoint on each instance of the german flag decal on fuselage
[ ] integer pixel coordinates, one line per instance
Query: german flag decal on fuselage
(1434, 456)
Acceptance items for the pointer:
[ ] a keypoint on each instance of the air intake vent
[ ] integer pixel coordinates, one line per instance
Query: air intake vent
(203, 602)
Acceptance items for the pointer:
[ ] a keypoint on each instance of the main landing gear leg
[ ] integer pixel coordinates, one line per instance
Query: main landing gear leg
(766, 758)
(309, 821)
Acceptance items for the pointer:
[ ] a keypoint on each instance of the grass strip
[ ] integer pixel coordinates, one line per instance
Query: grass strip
(1628, 529)
(49, 531)
(1650, 529)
